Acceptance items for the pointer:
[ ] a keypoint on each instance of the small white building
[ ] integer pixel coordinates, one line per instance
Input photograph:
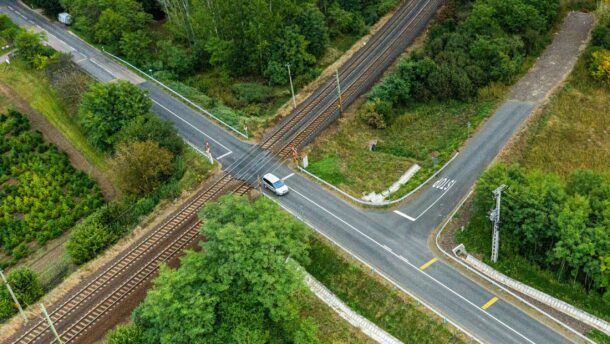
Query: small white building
(65, 18)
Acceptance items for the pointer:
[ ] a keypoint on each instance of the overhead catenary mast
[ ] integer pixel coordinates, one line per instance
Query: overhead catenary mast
(494, 216)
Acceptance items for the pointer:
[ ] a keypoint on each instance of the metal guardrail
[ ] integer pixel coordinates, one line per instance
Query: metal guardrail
(190, 102)
(384, 203)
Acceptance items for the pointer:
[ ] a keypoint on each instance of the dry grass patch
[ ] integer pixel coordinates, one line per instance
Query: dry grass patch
(574, 130)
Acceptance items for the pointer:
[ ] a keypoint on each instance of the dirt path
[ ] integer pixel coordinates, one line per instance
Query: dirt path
(51, 134)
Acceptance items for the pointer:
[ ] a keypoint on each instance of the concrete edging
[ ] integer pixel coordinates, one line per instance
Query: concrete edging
(493, 282)
(367, 327)
(536, 294)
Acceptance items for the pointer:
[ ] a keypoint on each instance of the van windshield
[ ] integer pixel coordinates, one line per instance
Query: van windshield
(278, 184)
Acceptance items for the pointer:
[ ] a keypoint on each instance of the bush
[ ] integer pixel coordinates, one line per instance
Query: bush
(252, 92)
(89, 238)
(600, 65)
(124, 334)
(27, 288)
(369, 115)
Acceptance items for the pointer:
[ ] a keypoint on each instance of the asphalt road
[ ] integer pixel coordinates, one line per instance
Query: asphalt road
(394, 244)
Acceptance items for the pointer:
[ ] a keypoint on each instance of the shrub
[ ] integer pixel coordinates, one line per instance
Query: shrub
(600, 65)
(124, 334)
(89, 238)
(27, 288)
(252, 92)
(370, 116)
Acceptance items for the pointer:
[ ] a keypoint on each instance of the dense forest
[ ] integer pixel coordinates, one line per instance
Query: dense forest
(561, 226)
(242, 38)
(41, 194)
(481, 42)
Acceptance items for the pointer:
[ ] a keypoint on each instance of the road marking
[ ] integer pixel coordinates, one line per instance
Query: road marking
(387, 249)
(489, 303)
(443, 183)
(430, 262)
(102, 67)
(192, 126)
(224, 155)
(404, 215)
(288, 176)
(460, 296)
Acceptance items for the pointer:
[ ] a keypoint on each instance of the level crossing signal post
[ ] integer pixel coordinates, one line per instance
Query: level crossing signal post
(494, 216)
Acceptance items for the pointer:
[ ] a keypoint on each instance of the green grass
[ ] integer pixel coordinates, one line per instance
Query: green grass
(383, 305)
(599, 337)
(340, 155)
(331, 328)
(33, 87)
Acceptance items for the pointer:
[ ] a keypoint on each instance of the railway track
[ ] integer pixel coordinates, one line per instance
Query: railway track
(105, 291)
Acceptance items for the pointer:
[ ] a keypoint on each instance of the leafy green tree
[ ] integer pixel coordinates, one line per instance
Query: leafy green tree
(151, 128)
(175, 58)
(240, 288)
(141, 166)
(106, 108)
(312, 25)
(291, 48)
(135, 46)
(31, 50)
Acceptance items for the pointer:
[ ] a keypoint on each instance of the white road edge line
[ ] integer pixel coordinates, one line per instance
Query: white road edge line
(192, 126)
(397, 212)
(288, 176)
(363, 262)
(415, 268)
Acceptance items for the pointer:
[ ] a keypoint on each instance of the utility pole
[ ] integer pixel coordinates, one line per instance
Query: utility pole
(339, 92)
(51, 326)
(294, 102)
(10, 291)
(494, 216)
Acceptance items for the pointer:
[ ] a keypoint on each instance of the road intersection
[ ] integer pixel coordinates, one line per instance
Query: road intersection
(392, 242)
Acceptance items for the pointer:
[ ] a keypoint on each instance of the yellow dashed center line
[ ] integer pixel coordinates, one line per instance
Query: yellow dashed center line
(490, 302)
(425, 266)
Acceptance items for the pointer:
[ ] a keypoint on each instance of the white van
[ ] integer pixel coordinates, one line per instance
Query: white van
(275, 184)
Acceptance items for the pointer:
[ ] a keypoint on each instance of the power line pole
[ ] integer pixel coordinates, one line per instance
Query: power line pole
(46, 315)
(494, 216)
(10, 291)
(339, 92)
(294, 102)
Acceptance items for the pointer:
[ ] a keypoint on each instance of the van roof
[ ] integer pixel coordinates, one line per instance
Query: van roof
(271, 177)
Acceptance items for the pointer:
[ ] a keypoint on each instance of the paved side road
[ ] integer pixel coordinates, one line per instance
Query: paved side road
(394, 244)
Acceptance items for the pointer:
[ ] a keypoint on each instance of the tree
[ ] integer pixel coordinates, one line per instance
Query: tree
(152, 128)
(106, 108)
(240, 288)
(31, 50)
(313, 27)
(140, 166)
(51, 7)
(135, 46)
(291, 48)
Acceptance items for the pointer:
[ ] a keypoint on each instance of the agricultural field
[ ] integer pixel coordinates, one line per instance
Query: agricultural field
(556, 236)
(424, 110)
(41, 194)
(230, 57)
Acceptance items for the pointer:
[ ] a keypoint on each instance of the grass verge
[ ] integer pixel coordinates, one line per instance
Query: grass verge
(33, 87)
(341, 155)
(381, 304)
